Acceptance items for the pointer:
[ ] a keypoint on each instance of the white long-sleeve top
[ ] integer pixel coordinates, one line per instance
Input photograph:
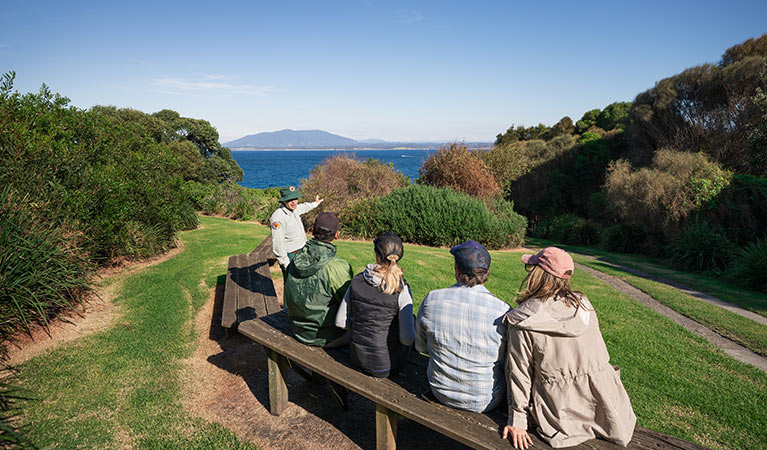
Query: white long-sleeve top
(288, 233)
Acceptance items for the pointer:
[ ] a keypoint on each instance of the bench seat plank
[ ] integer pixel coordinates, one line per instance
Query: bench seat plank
(229, 311)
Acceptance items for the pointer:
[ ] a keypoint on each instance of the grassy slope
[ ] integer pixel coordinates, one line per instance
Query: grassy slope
(122, 386)
(740, 329)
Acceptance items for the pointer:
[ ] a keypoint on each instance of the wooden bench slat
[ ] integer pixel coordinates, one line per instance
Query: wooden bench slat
(249, 297)
(229, 311)
(271, 304)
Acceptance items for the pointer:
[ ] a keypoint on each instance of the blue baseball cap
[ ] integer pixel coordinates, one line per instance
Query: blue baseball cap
(471, 255)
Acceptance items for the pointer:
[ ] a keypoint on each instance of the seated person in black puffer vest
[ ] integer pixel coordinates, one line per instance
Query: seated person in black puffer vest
(378, 309)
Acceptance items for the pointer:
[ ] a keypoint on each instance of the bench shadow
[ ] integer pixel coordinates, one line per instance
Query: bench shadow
(245, 358)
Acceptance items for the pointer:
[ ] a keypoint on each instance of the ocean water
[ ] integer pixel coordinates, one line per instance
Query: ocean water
(275, 168)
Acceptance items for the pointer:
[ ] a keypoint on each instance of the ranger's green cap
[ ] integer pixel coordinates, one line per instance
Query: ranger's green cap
(288, 193)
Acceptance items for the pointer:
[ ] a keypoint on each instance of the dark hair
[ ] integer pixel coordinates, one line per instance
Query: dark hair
(477, 276)
(324, 235)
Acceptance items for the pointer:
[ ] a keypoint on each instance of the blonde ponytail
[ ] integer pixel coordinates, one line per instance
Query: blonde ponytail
(391, 274)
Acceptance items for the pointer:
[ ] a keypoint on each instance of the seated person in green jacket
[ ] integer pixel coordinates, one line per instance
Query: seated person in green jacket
(315, 285)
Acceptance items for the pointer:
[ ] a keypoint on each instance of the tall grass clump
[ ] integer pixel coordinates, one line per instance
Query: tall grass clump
(749, 265)
(454, 166)
(443, 217)
(40, 272)
(699, 247)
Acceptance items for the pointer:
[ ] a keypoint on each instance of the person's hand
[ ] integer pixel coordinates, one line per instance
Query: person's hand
(519, 437)
(318, 200)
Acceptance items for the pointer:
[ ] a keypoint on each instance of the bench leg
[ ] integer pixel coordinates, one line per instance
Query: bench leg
(386, 428)
(278, 388)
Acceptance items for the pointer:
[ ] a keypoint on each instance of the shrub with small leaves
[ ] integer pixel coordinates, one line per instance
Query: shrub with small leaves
(444, 217)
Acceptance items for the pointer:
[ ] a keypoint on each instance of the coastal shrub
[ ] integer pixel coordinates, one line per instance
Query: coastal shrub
(740, 209)
(622, 238)
(568, 229)
(749, 265)
(714, 108)
(234, 201)
(360, 218)
(444, 217)
(506, 162)
(108, 183)
(662, 197)
(342, 179)
(699, 247)
(454, 166)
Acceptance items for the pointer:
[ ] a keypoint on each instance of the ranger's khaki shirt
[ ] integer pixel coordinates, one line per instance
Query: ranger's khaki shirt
(288, 233)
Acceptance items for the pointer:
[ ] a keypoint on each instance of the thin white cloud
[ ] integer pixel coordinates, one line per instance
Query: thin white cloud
(409, 16)
(210, 86)
(215, 77)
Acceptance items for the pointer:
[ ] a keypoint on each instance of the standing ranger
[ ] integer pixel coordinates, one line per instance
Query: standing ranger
(288, 235)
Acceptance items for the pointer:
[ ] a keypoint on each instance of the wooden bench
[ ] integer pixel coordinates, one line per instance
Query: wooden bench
(401, 396)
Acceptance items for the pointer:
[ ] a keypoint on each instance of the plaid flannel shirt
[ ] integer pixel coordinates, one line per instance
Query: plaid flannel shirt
(462, 330)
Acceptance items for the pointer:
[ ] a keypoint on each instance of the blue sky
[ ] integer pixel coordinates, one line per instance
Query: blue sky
(365, 69)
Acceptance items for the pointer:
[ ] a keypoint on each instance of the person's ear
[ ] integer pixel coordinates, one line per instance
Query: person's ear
(338, 233)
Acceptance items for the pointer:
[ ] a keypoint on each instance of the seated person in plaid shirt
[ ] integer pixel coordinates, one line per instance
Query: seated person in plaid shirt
(462, 330)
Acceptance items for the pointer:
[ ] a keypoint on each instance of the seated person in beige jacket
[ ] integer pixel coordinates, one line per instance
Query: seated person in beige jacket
(557, 368)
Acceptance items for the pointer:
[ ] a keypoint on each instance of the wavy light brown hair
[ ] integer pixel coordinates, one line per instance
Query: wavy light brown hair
(391, 274)
(540, 284)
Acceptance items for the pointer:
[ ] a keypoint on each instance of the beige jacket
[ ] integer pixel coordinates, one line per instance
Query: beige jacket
(558, 371)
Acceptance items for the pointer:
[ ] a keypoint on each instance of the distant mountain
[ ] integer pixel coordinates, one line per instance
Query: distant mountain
(318, 139)
(293, 139)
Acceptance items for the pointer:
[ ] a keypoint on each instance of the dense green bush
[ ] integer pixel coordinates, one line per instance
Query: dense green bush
(699, 247)
(456, 167)
(443, 217)
(749, 265)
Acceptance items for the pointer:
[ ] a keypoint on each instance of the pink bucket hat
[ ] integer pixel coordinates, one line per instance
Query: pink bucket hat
(553, 260)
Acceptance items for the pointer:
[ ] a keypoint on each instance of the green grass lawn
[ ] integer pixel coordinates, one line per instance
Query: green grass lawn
(745, 331)
(121, 387)
(716, 286)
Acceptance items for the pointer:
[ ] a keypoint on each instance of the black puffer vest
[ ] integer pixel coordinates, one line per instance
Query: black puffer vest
(375, 326)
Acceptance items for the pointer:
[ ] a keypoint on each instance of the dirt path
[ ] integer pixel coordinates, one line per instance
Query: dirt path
(731, 348)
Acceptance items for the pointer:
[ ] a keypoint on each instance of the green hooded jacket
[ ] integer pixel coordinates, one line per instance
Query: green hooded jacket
(315, 285)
